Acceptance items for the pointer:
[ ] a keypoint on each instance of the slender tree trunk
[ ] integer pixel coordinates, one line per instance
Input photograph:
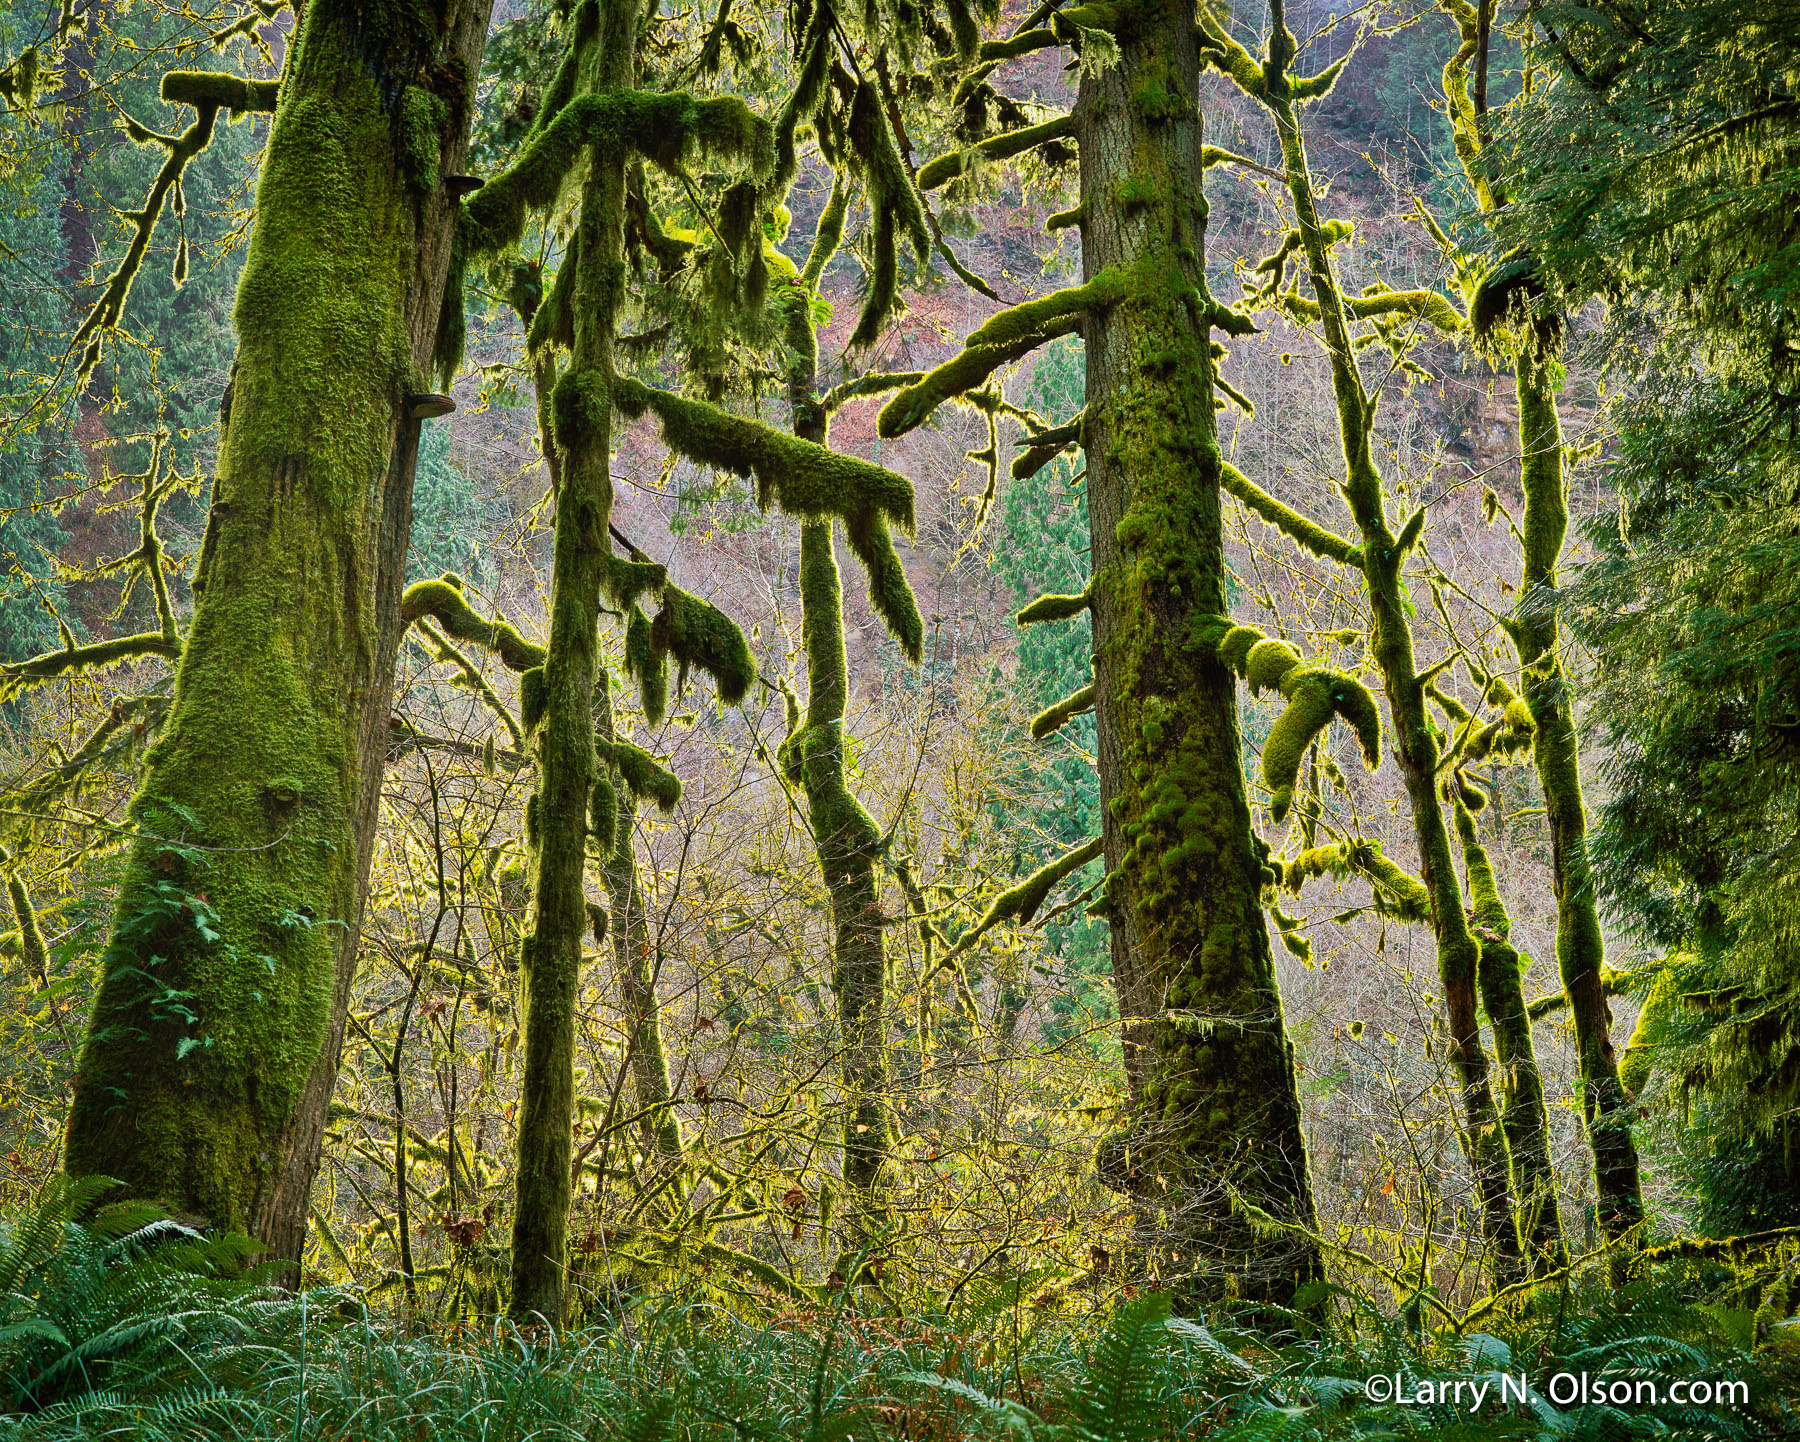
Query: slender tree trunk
(1580, 946)
(630, 935)
(564, 734)
(846, 839)
(214, 1041)
(1501, 973)
(1458, 953)
(1211, 1071)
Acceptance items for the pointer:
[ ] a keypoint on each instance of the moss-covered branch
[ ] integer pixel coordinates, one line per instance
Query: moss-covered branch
(444, 602)
(945, 168)
(647, 777)
(664, 128)
(1053, 718)
(1021, 902)
(202, 88)
(1303, 529)
(1426, 305)
(1002, 338)
(697, 633)
(800, 478)
(1054, 608)
(1314, 695)
(18, 676)
(1397, 893)
(1046, 445)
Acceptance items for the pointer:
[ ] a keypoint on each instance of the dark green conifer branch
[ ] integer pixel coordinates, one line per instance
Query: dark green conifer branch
(945, 168)
(1053, 718)
(1021, 902)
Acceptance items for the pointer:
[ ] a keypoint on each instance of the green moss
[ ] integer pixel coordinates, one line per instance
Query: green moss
(1054, 608)
(420, 124)
(579, 406)
(1052, 718)
(531, 698)
(444, 602)
(643, 773)
(801, 478)
(944, 168)
(665, 128)
(697, 633)
(1267, 663)
(646, 664)
(890, 594)
(603, 816)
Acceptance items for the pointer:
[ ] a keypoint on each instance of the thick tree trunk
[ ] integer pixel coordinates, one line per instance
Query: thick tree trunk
(1580, 946)
(568, 768)
(1211, 1071)
(213, 1047)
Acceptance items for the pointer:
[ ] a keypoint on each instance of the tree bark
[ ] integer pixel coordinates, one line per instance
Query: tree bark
(1580, 945)
(568, 769)
(214, 1041)
(1216, 1114)
(1458, 952)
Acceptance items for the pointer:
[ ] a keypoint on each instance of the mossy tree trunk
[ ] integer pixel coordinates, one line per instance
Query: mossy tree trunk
(1383, 559)
(1580, 944)
(214, 1041)
(1501, 975)
(629, 931)
(563, 737)
(1212, 1075)
(845, 836)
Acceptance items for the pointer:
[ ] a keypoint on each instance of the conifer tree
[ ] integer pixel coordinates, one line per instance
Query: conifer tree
(1214, 1151)
(214, 1039)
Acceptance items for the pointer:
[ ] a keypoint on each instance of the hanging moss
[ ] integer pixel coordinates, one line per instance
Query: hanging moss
(890, 594)
(894, 205)
(531, 698)
(646, 664)
(665, 128)
(643, 773)
(1397, 893)
(31, 939)
(603, 817)
(801, 478)
(697, 633)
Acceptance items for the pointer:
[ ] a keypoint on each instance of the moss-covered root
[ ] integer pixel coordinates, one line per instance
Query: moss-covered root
(1314, 695)
(1501, 976)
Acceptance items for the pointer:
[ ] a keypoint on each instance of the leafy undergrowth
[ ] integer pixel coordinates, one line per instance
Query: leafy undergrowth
(115, 1323)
